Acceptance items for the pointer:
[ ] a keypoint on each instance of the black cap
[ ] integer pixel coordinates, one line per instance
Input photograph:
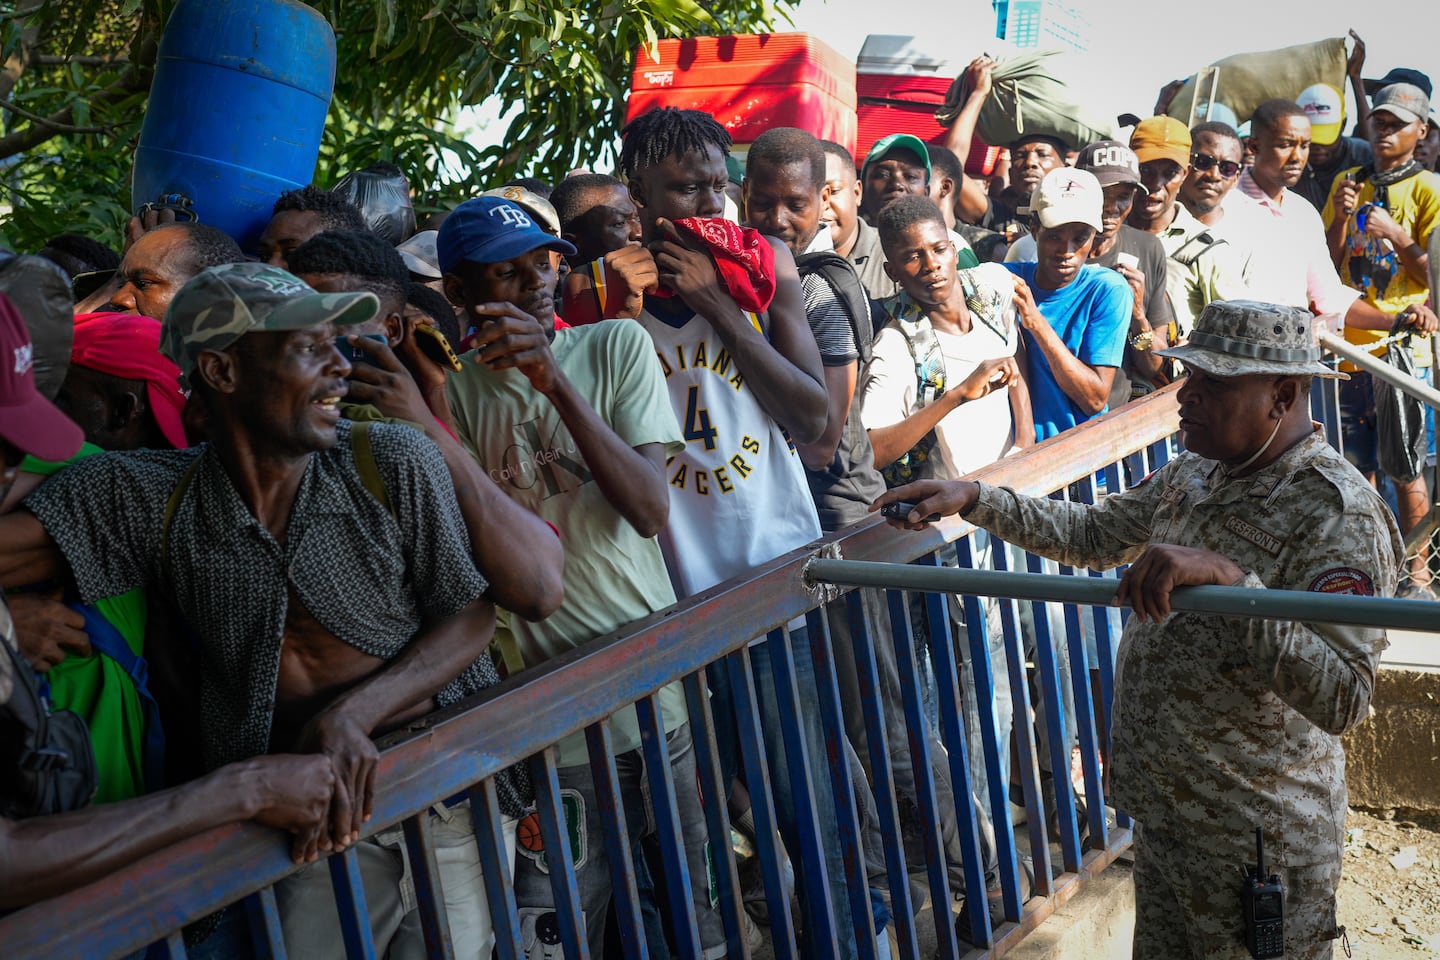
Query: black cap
(1401, 75)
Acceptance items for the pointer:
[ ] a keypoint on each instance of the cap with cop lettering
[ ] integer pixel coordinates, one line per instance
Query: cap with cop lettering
(1112, 162)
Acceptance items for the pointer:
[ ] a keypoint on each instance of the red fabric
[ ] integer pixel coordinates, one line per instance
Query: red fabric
(743, 258)
(128, 347)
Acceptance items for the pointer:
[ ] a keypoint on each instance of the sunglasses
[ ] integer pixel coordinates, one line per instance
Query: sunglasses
(1205, 162)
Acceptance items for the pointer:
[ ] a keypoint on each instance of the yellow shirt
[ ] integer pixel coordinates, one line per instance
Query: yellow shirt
(1372, 266)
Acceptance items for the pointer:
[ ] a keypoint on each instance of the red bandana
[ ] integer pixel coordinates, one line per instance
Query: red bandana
(743, 258)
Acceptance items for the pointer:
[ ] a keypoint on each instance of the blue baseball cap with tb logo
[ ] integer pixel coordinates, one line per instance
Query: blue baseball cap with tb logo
(491, 230)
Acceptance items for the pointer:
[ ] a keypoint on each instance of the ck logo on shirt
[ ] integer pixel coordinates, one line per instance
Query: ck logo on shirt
(532, 459)
(24, 358)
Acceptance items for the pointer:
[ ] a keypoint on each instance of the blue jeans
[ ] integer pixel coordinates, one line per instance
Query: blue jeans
(782, 787)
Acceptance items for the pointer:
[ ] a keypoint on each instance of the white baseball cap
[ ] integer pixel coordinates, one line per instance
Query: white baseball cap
(1325, 108)
(1067, 195)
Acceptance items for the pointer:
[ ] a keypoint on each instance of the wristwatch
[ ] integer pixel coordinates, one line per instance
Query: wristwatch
(1143, 340)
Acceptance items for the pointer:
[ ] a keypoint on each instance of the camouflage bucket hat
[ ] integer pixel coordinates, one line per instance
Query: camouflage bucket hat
(1237, 337)
(220, 305)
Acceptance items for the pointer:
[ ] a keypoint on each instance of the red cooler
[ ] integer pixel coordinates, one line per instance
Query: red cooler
(750, 83)
(899, 88)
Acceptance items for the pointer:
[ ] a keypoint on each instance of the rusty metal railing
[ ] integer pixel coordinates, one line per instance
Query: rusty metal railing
(460, 749)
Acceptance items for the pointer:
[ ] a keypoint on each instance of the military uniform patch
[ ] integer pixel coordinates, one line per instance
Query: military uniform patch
(1344, 580)
(1248, 531)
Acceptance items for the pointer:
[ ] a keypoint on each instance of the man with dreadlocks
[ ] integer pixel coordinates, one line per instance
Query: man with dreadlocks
(301, 214)
(746, 383)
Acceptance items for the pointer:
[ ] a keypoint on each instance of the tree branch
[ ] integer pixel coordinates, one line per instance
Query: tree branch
(50, 121)
(136, 78)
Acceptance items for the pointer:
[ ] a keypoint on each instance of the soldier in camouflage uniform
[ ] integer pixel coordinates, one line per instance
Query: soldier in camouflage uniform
(1223, 725)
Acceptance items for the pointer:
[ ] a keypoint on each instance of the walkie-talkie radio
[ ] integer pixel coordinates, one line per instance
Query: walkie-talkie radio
(1262, 897)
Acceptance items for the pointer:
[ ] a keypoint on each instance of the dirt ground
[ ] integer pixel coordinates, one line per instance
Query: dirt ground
(1389, 897)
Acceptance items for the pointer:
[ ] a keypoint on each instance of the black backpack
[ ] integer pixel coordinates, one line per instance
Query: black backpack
(47, 762)
(840, 274)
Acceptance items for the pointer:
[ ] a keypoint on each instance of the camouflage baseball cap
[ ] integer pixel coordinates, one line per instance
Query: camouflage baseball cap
(1237, 337)
(220, 305)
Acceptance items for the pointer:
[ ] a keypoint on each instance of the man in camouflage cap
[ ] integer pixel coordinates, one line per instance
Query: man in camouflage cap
(1224, 725)
(323, 567)
(222, 304)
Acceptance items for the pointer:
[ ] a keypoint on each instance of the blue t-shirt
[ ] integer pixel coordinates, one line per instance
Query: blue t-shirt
(1091, 315)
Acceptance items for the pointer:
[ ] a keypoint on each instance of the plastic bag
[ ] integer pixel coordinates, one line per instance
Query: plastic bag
(1027, 100)
(383, 195)
(41, 292)
(1399, 418)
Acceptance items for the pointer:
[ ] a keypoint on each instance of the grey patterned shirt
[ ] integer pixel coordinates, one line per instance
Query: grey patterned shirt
(371, 581)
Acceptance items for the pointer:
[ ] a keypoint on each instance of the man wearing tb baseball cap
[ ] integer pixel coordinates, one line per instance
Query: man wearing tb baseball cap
(575, 425)
(491, 229)
(1070, 309)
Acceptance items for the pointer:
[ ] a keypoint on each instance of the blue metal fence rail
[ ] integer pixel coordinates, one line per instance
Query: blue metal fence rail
(461, 748)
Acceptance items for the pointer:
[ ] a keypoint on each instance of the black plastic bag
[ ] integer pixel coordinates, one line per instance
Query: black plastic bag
(1399, 417)
(41, 292)
(48, 764)
(383, 195)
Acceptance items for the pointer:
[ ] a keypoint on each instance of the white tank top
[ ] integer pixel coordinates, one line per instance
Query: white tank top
(738, 496)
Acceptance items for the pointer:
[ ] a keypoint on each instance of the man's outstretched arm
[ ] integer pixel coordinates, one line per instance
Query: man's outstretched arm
(343, 730)
(47, 856)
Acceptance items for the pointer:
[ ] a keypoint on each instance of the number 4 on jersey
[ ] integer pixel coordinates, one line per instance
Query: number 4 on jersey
(697, 421)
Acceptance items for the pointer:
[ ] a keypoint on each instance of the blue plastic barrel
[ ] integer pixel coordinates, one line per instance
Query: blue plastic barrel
(236, 109)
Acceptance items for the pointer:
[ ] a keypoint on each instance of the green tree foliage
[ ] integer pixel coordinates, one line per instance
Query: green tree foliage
(75, 75)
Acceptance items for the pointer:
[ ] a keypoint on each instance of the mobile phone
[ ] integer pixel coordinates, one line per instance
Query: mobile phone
(436, 347)
(900, 509)
(1128, 260)
(350, 353)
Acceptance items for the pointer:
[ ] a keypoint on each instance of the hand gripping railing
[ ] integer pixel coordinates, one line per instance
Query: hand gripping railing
(1378, 368)
(1421, 615)
(462, 748)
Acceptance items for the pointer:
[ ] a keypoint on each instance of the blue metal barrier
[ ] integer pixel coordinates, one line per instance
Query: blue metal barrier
(460, 749)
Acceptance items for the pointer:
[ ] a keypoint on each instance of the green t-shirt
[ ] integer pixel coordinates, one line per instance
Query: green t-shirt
(99, 690)
(613, 575)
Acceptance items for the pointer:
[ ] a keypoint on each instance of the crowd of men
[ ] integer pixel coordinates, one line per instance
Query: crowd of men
(258, 510)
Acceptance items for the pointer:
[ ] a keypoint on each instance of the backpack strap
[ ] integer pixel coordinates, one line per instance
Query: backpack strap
(365, 465)
(840, 274)
(105, 639)
(1195, 247)
(171, 506)
(918, 462)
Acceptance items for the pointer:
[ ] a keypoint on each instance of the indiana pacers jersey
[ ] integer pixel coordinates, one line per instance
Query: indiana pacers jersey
(738, 496)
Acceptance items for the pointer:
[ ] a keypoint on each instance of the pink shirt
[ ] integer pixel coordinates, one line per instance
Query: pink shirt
(1301, 272)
